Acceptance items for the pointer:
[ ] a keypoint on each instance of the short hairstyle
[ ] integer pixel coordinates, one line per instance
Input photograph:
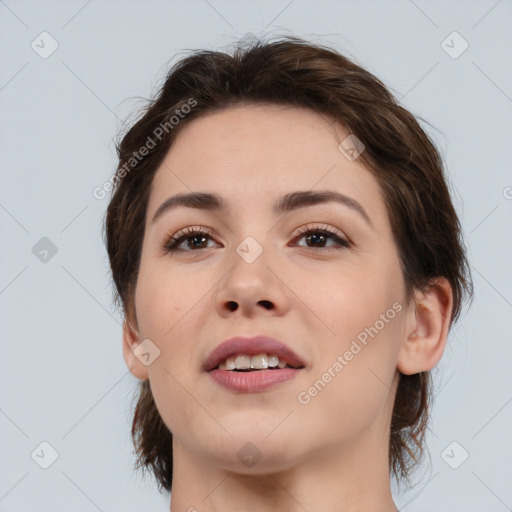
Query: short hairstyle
(398, 153)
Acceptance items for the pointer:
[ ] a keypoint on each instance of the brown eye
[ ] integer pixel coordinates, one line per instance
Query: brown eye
(317, 238)
(195, 239)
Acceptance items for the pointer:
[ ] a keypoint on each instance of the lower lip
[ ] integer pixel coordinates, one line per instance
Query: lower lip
(252, 382)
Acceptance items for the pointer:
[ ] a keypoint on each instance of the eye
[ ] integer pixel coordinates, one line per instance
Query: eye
(319, 235)
(195, 237)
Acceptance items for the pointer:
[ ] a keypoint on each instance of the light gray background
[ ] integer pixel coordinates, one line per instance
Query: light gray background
(63, 378)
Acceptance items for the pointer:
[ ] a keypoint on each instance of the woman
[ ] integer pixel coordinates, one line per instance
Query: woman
(289, 263)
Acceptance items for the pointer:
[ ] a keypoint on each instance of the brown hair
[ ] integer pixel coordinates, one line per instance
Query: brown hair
(404, 161)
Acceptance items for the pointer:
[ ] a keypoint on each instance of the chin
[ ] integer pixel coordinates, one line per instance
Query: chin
(251, 460)
(252, 451)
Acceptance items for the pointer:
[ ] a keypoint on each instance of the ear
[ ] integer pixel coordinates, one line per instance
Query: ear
(427, 325)
(131, 338)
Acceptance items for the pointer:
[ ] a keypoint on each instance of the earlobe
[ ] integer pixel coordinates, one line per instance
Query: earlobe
(131, 339)
(427, 325)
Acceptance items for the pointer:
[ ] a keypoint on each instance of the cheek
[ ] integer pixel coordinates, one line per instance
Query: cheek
(161, 299)
(354, 368)
(164, 312)
(172, 305)
(352, 297)
(356, 360)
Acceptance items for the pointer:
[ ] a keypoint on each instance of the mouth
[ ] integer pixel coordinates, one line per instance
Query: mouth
(252, 364)
(252, 353)
(253, 380)
(255, 363)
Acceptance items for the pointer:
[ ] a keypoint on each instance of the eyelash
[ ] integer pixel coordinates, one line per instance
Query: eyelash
(176, 240)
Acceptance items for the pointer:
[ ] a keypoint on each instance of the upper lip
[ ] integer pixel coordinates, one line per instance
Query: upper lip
(251, 346)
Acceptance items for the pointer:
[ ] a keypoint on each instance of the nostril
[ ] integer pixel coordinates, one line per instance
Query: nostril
(232, 305)
(266, 304)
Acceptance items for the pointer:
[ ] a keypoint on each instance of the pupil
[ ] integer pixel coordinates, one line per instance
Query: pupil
(196, 238)
(315, 237)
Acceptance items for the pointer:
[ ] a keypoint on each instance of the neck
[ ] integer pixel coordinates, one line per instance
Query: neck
(352, 479)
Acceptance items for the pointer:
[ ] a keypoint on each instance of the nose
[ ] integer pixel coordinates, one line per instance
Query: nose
(252, 289)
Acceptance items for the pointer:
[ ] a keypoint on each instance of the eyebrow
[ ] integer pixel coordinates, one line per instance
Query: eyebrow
(287, 203)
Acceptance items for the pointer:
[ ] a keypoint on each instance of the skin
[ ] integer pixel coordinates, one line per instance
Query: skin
(328, 454)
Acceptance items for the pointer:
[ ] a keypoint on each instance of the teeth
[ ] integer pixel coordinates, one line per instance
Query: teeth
(243, 362)
(257, 362)
(273, 361)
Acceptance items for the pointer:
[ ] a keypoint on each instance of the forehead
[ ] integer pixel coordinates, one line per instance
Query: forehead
(255, 153)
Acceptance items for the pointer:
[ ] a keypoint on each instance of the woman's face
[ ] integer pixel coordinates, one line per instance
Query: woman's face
(335, 298)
